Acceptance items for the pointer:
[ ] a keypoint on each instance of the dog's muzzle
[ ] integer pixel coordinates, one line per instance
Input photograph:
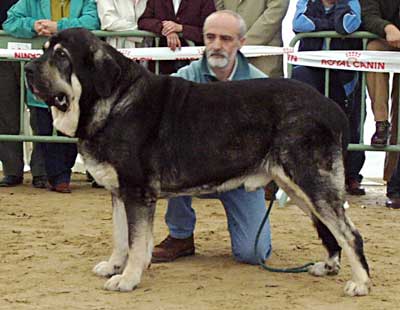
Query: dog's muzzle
(40, 87)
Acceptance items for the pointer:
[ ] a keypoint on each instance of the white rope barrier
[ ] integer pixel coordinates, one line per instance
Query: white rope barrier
(158, 53)
(372, 61)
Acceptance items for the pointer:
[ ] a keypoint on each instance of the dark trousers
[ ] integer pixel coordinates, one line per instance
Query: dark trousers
(11, 153)
(59, 158)
(393, 186)
(350, 104)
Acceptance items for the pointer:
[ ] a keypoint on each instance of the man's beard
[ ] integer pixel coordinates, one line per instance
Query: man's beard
(221, 61)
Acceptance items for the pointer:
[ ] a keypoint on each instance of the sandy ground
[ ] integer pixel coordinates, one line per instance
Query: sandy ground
(50, 242)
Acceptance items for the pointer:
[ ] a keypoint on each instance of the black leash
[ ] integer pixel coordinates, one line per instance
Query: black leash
(303, 268)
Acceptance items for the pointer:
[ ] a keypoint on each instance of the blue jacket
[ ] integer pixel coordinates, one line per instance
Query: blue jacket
(198, 71)
(344, 17)
(22, 16)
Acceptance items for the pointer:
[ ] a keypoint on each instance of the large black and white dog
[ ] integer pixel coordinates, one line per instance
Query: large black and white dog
(146, 137)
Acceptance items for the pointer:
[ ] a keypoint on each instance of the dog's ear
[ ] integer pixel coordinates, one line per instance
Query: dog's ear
(107, 73)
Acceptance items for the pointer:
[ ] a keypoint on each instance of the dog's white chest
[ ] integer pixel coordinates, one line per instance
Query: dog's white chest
(103, 173)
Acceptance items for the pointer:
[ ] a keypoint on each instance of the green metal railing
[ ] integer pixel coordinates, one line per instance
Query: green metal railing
(38, 42)
(364, 36)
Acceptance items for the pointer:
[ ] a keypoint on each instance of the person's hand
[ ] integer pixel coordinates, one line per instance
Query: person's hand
(392, 35)
(50, 27)
(173, 41)
(38, 26)
(170, 27)
(45, 27)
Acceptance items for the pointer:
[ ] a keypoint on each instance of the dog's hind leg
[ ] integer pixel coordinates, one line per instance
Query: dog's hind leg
(140, 214)
(321, 192)
(117, 260)
(332, 264)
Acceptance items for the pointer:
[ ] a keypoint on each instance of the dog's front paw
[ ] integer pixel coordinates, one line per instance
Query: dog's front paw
(321, 269)
(121, 283)
(356, 289)
(107, 269)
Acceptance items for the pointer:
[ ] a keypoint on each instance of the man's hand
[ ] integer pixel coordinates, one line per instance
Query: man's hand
(45, 27)
(173, 41)
(170, 27)
(392, 35)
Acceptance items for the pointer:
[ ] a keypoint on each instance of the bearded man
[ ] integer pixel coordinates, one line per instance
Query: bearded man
(223, 33)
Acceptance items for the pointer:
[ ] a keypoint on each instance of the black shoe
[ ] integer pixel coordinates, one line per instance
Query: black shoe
(381, 135)
(10, 181)
(39, 181)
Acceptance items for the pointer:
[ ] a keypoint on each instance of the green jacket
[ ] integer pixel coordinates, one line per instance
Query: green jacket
(21, 18)
(377, 14)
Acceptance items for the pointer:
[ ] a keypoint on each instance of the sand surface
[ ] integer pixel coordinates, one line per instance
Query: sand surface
(50, 242)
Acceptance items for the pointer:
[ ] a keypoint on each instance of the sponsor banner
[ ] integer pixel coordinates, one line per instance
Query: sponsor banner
(348, 60)
(160, 53)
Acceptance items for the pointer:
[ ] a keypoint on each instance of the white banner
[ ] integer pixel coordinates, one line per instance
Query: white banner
(159, 53)
(348, 60)
(343, 60)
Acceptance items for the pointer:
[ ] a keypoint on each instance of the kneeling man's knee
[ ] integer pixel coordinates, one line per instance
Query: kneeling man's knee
(246, 254)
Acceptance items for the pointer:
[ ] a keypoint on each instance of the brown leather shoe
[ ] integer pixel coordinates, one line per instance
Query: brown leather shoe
(393, 203)
(353, 187)
(171, 248)
(61, 188)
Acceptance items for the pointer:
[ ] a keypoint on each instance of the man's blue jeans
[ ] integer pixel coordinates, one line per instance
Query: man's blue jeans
(244, 211)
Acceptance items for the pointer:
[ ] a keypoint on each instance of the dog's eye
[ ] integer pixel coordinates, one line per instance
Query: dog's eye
(60, 53)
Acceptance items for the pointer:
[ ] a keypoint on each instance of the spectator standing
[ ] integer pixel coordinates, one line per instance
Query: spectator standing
(121, 15)
(11, 153)
(176, 21)
(381, 17)
(264, 21)
(223, 36)
(27, 19)
(344, 17)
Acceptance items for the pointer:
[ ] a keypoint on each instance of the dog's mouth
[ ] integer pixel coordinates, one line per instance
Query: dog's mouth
(59, 100)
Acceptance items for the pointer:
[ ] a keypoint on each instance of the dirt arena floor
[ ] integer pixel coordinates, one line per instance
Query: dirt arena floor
(50, 242)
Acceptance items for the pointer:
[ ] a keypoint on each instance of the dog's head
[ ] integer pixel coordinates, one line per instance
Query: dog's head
(74, 70)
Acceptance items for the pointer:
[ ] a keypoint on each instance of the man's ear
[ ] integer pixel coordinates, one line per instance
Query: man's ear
(241, 42)
(107, 73)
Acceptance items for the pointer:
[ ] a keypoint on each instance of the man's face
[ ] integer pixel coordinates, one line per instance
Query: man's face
(221, 38)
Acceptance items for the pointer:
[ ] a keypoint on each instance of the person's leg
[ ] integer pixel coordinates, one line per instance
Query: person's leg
(59, 157)
(378, 90)
(354, 160)
(393, 189)
(37, 164)
(11, 154)
(180, 217)
(181, 220)
(245, 212)
(391, 158)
